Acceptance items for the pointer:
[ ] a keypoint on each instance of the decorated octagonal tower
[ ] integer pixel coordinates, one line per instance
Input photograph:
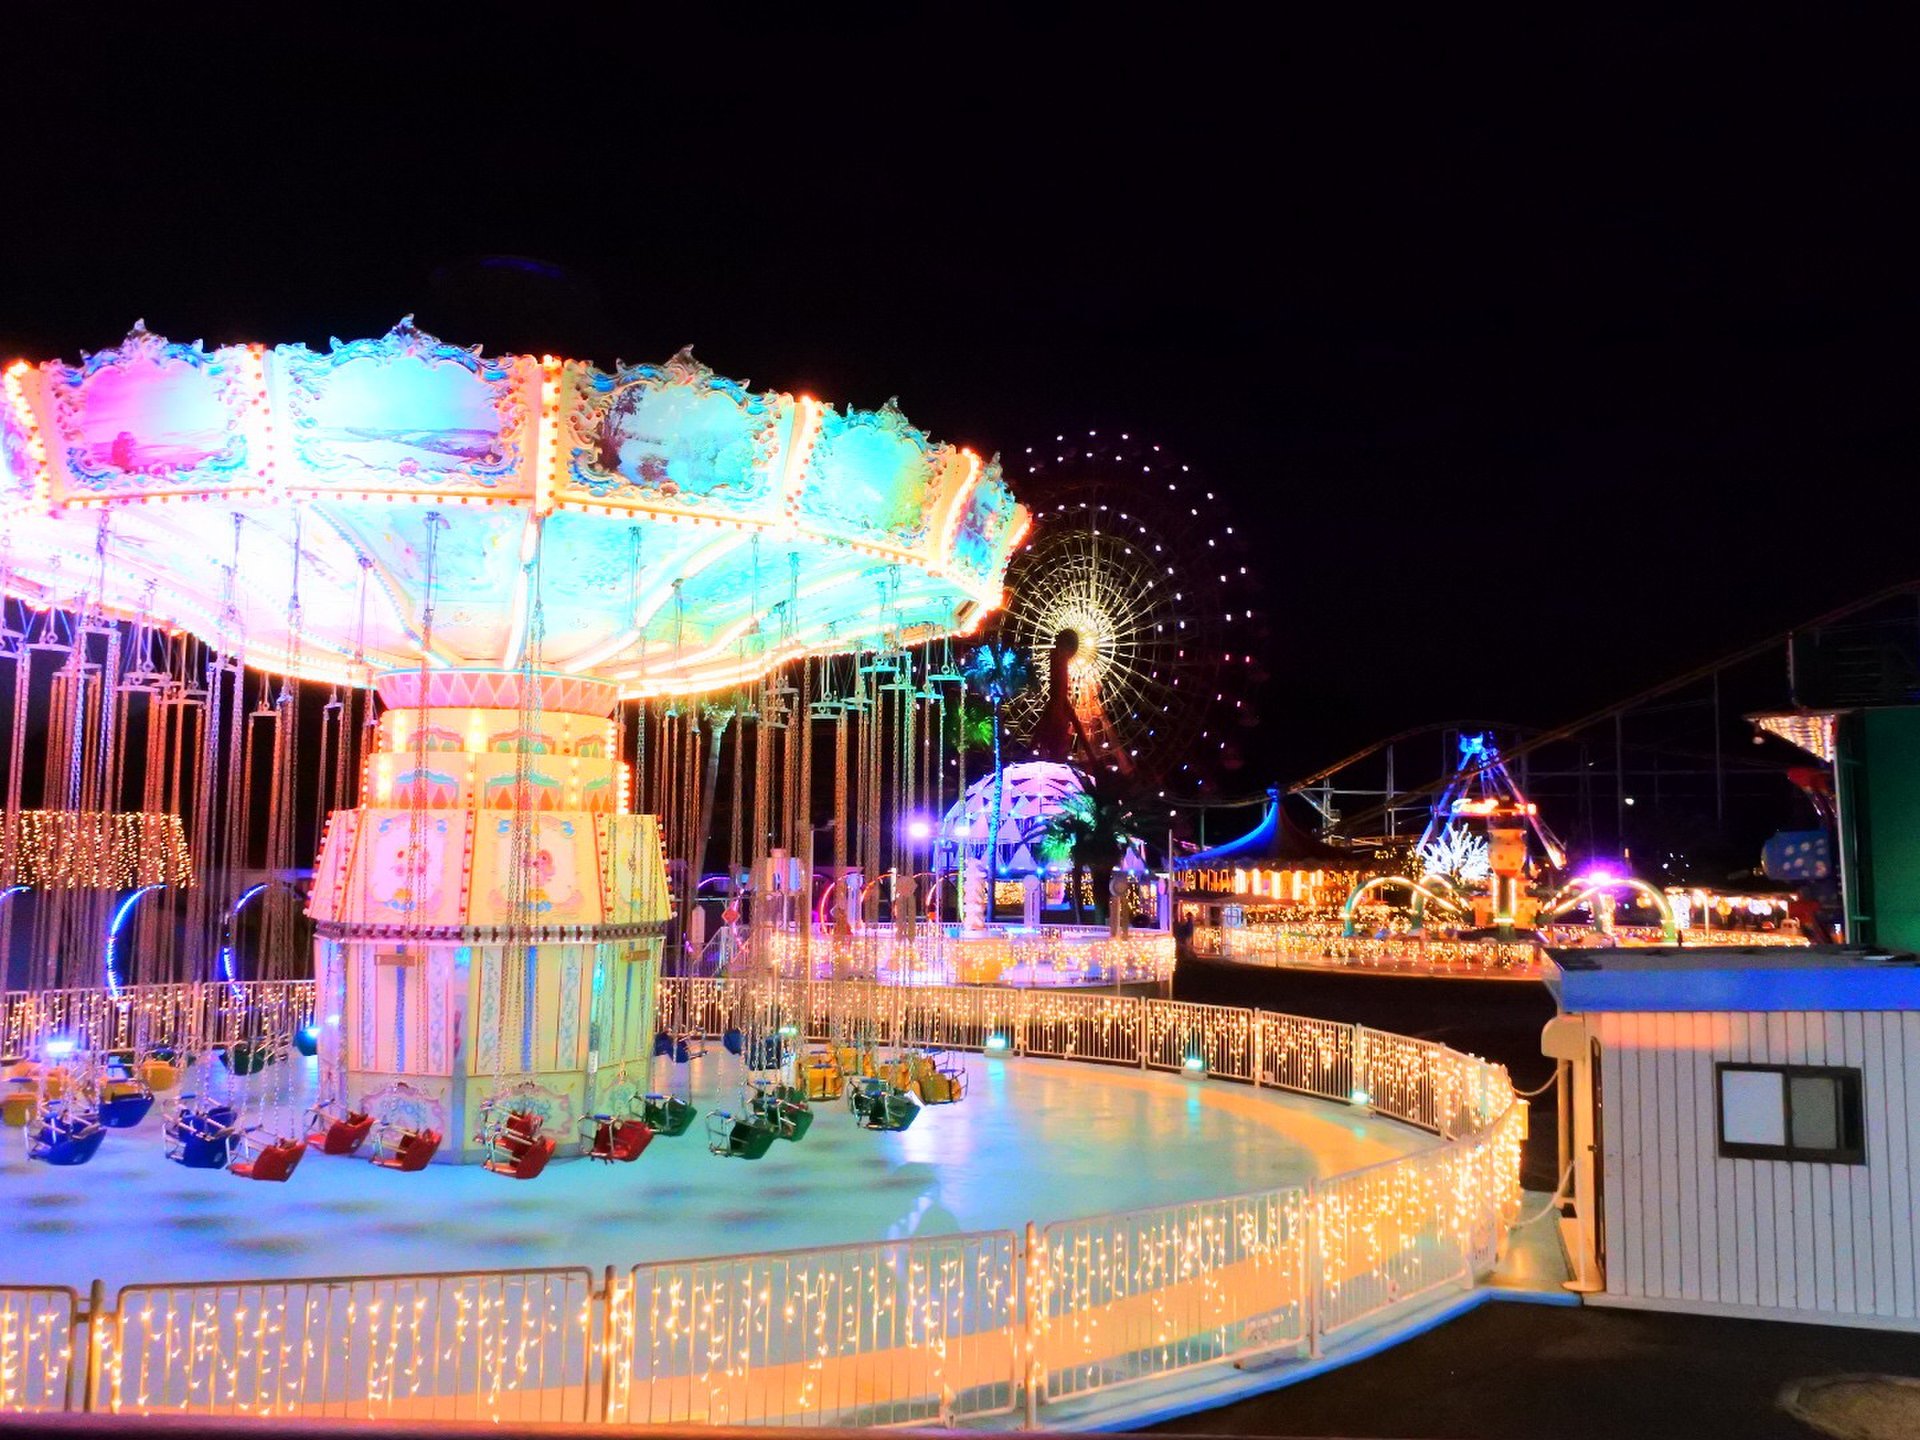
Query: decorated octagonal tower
(444, 983)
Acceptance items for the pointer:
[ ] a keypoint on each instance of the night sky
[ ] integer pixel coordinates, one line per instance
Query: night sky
(1544, 363)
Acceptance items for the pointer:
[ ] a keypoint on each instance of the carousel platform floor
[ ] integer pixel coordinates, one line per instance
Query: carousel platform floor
(1036, 1140)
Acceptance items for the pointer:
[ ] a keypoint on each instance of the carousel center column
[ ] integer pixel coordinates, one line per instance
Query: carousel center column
(444, 986)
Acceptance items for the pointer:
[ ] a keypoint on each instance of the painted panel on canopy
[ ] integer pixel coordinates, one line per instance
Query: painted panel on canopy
(405, 413)
(870, 476)
(985, 529)
(673, 437)
(17, 464)
(150, 417)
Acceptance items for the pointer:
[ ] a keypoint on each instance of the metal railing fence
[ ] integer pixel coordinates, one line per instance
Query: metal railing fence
(923, 1330)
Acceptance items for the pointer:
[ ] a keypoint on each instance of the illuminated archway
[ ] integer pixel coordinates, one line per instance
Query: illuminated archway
(1380, 882)
(1586, 890)
(114, 927)
(229, 930)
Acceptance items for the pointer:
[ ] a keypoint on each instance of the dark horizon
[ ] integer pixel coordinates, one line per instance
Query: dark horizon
(1545, 364)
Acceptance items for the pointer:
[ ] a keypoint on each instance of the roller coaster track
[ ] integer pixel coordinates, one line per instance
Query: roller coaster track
(1356, 822)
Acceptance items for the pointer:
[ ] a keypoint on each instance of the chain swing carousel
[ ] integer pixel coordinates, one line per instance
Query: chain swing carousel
(517, 580)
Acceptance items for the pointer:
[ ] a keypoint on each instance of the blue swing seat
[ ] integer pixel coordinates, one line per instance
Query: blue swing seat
(202, 1137)
(67, 1137)
(124, 1111)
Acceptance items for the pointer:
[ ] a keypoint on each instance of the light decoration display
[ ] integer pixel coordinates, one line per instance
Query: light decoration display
(1324, 944)
(1457, 856)
(737, 496)
(1067, 954)
(36, 1348)
(933, 1328)
(1134, 554)
(92, 850)
(1808, 730)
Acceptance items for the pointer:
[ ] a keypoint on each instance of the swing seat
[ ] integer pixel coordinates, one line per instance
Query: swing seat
(880, 1106)
(667, 1114)
(20, 1104)
(789, 1119)
(157, 1074)
(938, 1084)
(739, 1137)
(67, 1139)
(824, 1081)
(274, 1162)
(734, 1042)
(940, 1087)
(528, 1163)
(343, 1137)
(124, 1104)
(200, 1145)
(663, 1044)
(617, 1140)
(412, 1150)
(246, 1057)
(307, 1040)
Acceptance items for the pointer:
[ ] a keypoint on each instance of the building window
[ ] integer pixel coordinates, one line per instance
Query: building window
(1791, 1112)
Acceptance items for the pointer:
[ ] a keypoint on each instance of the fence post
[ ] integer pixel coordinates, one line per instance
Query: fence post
(1315, 1263)
(1360, 1076)
(1256, 1025)
(603, 1307)
(98, 1319)
(1140, 1030)
(1033, 1316)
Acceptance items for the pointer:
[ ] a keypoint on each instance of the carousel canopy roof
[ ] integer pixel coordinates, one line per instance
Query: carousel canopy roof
(678, 531)
(1276, 843)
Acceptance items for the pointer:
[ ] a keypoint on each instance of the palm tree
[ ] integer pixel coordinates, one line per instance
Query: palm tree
(1094, 830)
(996, 672)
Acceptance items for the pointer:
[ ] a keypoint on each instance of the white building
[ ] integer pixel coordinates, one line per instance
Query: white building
(1744, 1127)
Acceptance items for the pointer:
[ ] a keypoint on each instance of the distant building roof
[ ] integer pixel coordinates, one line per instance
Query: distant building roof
(1762, 978)
(1278, 843)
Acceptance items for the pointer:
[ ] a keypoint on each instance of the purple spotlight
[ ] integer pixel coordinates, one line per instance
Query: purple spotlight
(919, 829)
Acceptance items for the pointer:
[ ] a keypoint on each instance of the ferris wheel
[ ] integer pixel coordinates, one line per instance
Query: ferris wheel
(1133, 552)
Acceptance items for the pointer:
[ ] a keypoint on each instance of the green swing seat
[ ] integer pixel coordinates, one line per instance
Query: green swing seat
(879, 1105)
(667, 1114)
(739, 1137)
(783, 1110)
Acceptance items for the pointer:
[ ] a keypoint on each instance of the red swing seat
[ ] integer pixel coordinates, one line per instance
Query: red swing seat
(412, 1151)
(274, 1162)
(343, 1137)
(621, 1140)
(530, 1162)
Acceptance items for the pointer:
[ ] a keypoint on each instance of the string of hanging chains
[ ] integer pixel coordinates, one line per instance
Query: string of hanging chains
(527, 895)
